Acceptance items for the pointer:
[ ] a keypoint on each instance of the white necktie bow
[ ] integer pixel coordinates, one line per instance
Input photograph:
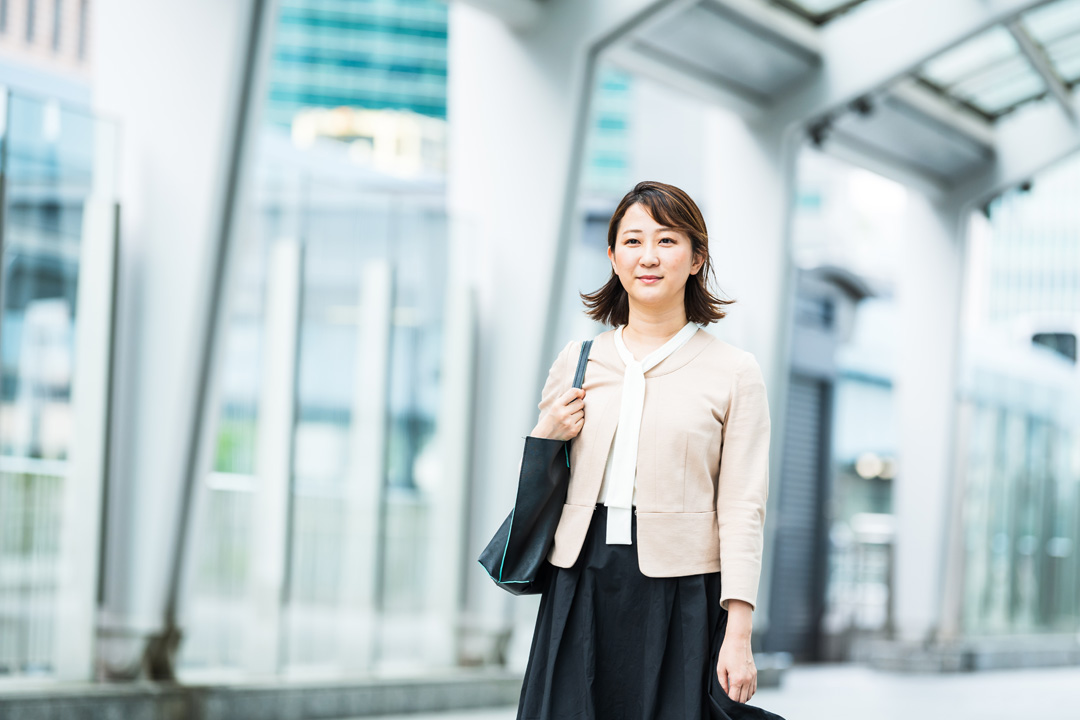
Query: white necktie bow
(620, 496)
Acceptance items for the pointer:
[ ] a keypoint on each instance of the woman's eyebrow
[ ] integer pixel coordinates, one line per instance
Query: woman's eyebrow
(633, 230)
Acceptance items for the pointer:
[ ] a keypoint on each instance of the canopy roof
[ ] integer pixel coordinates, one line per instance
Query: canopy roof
(962, 99)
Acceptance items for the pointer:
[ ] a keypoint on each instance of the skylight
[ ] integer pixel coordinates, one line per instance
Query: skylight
(988, 73)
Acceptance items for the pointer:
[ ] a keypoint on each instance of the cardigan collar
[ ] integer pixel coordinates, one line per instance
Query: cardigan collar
(604, 352)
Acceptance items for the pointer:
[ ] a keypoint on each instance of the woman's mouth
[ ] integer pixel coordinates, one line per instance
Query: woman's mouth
(649, 279)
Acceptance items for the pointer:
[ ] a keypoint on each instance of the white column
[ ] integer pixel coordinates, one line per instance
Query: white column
(750, 180)
(928, 294)
(449, 500)
(80, 522)
(747, 209)
(171, 74)
(363, 546)
(271, 501)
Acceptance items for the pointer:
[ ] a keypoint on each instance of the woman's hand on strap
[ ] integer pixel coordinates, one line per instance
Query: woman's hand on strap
(735, 667)
(564, 419)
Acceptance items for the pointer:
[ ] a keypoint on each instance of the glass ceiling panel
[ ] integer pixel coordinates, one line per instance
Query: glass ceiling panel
(1057, 28)
(988, 73)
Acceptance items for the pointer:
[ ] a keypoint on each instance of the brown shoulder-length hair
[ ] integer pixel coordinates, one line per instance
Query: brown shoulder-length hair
(671, 207)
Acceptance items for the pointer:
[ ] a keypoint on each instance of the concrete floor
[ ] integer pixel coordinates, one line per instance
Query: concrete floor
(845, 692)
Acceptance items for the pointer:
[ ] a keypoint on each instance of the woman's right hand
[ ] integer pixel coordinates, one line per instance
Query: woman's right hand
(564, 419)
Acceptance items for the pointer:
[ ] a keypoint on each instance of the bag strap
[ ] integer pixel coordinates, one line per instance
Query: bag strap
(583, 359)
(579, 379)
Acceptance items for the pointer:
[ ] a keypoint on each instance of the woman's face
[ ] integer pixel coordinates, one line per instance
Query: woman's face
(643, 250)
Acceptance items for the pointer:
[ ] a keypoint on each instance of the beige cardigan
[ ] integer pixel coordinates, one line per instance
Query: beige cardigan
(702, 466)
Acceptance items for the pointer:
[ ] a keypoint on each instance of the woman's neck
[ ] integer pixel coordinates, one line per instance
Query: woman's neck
(654, 329)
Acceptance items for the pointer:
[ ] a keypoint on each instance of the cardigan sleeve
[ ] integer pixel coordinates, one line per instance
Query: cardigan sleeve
(560, 378)
(743, 486)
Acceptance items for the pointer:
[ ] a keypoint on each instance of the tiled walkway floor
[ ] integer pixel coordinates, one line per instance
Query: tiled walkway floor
(843, 692)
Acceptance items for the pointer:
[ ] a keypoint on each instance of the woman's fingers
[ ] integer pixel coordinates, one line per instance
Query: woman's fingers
(739, 689)
(571, 414)
(745, 689)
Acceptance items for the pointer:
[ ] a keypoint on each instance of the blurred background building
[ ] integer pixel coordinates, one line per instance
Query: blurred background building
(282, 279)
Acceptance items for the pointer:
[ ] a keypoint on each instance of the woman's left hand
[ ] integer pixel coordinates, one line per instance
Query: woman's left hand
(735, 666)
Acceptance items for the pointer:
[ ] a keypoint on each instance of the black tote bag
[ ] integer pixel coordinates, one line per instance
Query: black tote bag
(516, 557)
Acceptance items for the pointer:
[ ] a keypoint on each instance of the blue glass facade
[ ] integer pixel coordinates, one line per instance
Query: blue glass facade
(372, 54)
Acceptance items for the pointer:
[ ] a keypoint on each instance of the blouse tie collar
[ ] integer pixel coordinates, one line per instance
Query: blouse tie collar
(624, 461)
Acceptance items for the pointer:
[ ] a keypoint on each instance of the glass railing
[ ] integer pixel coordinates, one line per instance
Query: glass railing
(57, 221)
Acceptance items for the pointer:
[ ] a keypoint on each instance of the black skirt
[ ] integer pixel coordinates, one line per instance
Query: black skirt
(613, 644)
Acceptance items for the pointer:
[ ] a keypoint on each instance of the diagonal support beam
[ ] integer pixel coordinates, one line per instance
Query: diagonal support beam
(876, 46)
(1041, 63)
(1026, 144)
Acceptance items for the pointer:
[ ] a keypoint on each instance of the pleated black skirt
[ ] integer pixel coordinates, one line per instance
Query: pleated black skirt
(613, 644)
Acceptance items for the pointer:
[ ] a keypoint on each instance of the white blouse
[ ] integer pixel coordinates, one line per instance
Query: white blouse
(618, 489)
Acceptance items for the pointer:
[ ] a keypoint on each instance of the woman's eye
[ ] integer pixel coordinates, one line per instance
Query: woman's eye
(634, 240)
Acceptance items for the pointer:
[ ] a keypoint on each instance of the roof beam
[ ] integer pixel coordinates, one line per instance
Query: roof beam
(903, 34)
(895, 167)
(1041, 63)
(771, 21)
(962, 125)
(635, 57)
(1027, 143)
(635, 52)
(958, 119)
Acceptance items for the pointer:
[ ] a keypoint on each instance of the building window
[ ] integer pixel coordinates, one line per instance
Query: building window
(31, 8)
(58, 11)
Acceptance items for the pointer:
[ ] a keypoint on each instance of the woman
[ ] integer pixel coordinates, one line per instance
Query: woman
(669, 479)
